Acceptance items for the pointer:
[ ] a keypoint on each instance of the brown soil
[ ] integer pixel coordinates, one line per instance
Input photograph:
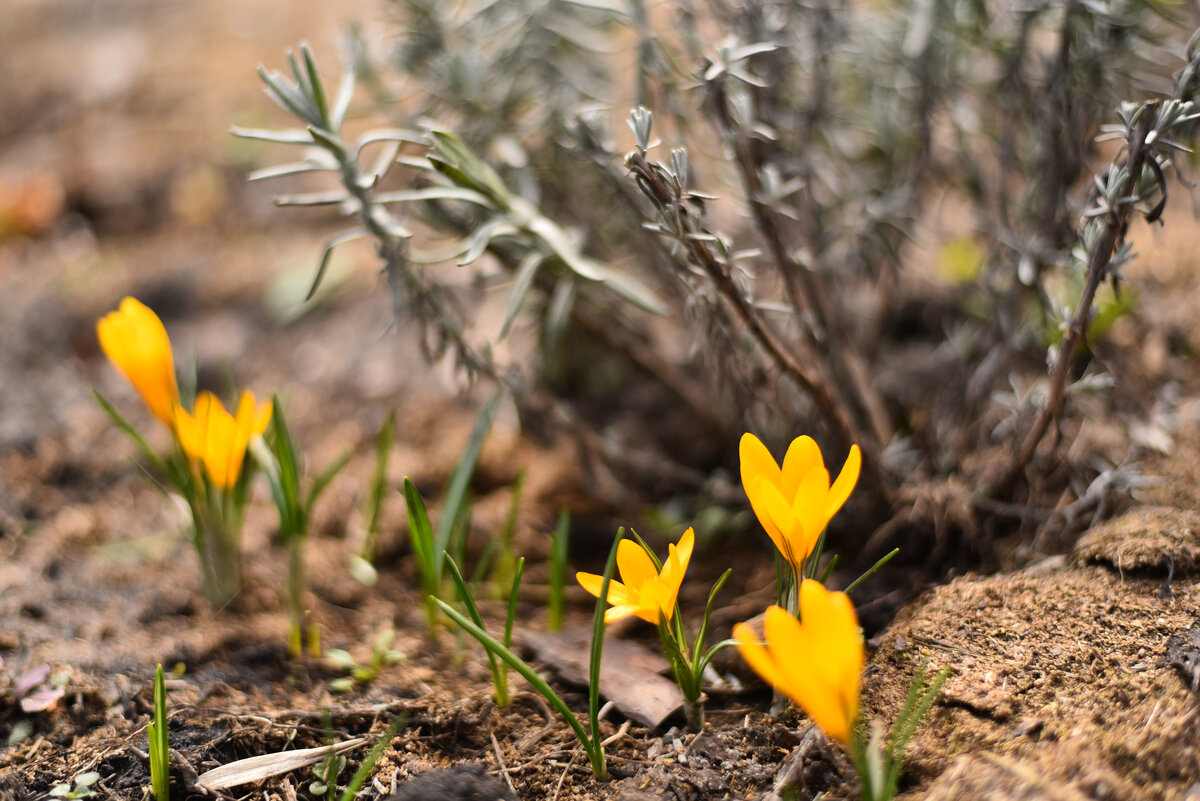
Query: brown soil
(119, 179)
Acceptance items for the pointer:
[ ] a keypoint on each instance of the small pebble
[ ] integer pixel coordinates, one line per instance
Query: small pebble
(459, 783)
(1028, 726)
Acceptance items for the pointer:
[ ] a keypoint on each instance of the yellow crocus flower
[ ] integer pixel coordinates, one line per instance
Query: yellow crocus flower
(816, 661)
(136, 342)
(643, 590)
(794, 502)
(211, 436)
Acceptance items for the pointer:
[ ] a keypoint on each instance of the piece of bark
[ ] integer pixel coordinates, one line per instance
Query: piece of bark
(630, 675)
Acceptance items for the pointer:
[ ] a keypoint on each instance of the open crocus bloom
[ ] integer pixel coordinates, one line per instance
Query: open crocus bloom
(135, 341)
(213, 437)
(643, 590)
(794, 502)
(816, 661)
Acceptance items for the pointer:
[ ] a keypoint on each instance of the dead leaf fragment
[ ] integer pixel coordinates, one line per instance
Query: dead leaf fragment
(256, 768)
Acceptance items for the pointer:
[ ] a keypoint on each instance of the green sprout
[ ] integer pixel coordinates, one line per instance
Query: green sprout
(283, 465)
(498, 667)
(362, 564)
(328, 770)
(160, 760)
(589, 738)
(879, 764)
(430, 546)
(326, 773)
(82, 787)
(498, 562)
(382, 655)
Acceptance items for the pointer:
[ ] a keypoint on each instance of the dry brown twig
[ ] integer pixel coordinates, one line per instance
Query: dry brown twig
(667, 196)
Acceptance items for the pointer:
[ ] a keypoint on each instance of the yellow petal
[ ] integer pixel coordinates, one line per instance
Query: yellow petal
(674, 568)
(778, 522)
(786, 641)
(809, 511)
(652, 603)
(802, 456)
(590, 582)
(835, 630)
(188, 433)
(832, 627)
(245, 427)
(616, 613)
(220, 444)
(618, 593)
(634, 564)
(756, 654)
(756, 462)
(805, 662)
(687, 543)
(135, 341)
(846, 480)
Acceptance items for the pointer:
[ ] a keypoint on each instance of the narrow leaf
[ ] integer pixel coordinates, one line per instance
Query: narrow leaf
(286, 136)
(434, 193)
(526, 272)
(291, 168)
(422, 537)
(327, 254)
(457, 489)
(342, 102)
(317, 87)
(120, 422)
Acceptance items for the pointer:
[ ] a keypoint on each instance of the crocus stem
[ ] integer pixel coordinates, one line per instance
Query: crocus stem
(693, 712)
(220, 559)
(296, 584)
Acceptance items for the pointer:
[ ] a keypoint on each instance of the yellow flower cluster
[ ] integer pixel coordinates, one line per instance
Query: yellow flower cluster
(643, 590)
(136, 342)
(816, 657)
(217, 439)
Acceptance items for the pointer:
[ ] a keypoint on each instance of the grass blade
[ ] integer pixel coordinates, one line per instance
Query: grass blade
(422, 537)
(459, 481)
(520, 666)
(368, 763)
(558, 570)
(160, 760)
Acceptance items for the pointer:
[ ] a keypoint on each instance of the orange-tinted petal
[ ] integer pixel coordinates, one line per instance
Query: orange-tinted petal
(634, 564)
(687, 544)
(816, 661)
(219, 450)
(809, 507)
(136, 342)
(802, 456)
(832, 626)
(674, 568)
(756, 654)
(618, 593)
(778, 521)
(756, 462)
(846, 480)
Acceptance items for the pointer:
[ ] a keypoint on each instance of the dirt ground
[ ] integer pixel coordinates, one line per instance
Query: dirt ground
(1075, 674)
